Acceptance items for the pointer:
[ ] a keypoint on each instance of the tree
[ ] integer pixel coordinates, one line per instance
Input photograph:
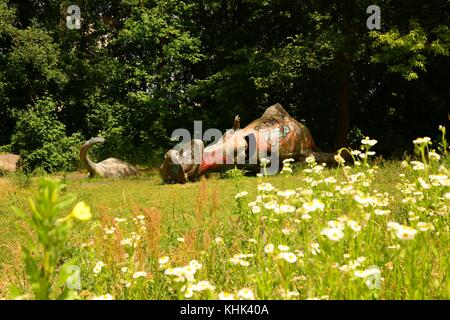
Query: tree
(138, 69)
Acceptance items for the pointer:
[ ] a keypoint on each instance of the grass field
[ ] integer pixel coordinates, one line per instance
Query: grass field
(373, 231)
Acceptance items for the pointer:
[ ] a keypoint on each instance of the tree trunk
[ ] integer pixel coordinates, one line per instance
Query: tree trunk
(343, 70)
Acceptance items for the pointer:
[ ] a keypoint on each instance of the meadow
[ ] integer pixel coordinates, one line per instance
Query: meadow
(375, 229)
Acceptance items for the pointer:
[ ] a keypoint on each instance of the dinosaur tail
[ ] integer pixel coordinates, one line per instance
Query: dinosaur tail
(328, 158)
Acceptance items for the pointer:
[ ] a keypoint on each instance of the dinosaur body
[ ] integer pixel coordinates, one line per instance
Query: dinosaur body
(109, 168)
(274, 131)
(9, 162)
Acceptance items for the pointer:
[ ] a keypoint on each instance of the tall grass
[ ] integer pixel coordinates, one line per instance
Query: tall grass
(364, 231)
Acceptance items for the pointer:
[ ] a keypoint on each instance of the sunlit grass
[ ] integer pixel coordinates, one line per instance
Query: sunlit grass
(369, 231)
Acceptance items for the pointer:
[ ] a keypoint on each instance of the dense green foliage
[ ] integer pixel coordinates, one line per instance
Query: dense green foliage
(137, 70)
(41, 139)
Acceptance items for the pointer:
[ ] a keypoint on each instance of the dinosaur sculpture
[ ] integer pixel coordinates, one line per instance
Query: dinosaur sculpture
(109, 168)
(9, 162)
(275, 132)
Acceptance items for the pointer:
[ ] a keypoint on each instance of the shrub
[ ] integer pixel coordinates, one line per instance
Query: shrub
(130, 135)
(40, 138)
(5, 148)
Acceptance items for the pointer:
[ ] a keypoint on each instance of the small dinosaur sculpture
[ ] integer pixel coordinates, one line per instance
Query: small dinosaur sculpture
(109, 168)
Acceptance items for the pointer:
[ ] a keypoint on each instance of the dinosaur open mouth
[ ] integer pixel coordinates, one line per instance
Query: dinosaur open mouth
(172, 170)
(182, 164)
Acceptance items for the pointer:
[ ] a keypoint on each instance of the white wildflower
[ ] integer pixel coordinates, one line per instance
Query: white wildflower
(334, 234)
(246, 294)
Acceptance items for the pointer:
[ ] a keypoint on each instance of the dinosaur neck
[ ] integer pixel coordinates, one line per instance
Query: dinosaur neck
(91, 166)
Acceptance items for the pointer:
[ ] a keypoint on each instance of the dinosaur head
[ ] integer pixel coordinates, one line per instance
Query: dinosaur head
(95, 140)
(180, 166)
